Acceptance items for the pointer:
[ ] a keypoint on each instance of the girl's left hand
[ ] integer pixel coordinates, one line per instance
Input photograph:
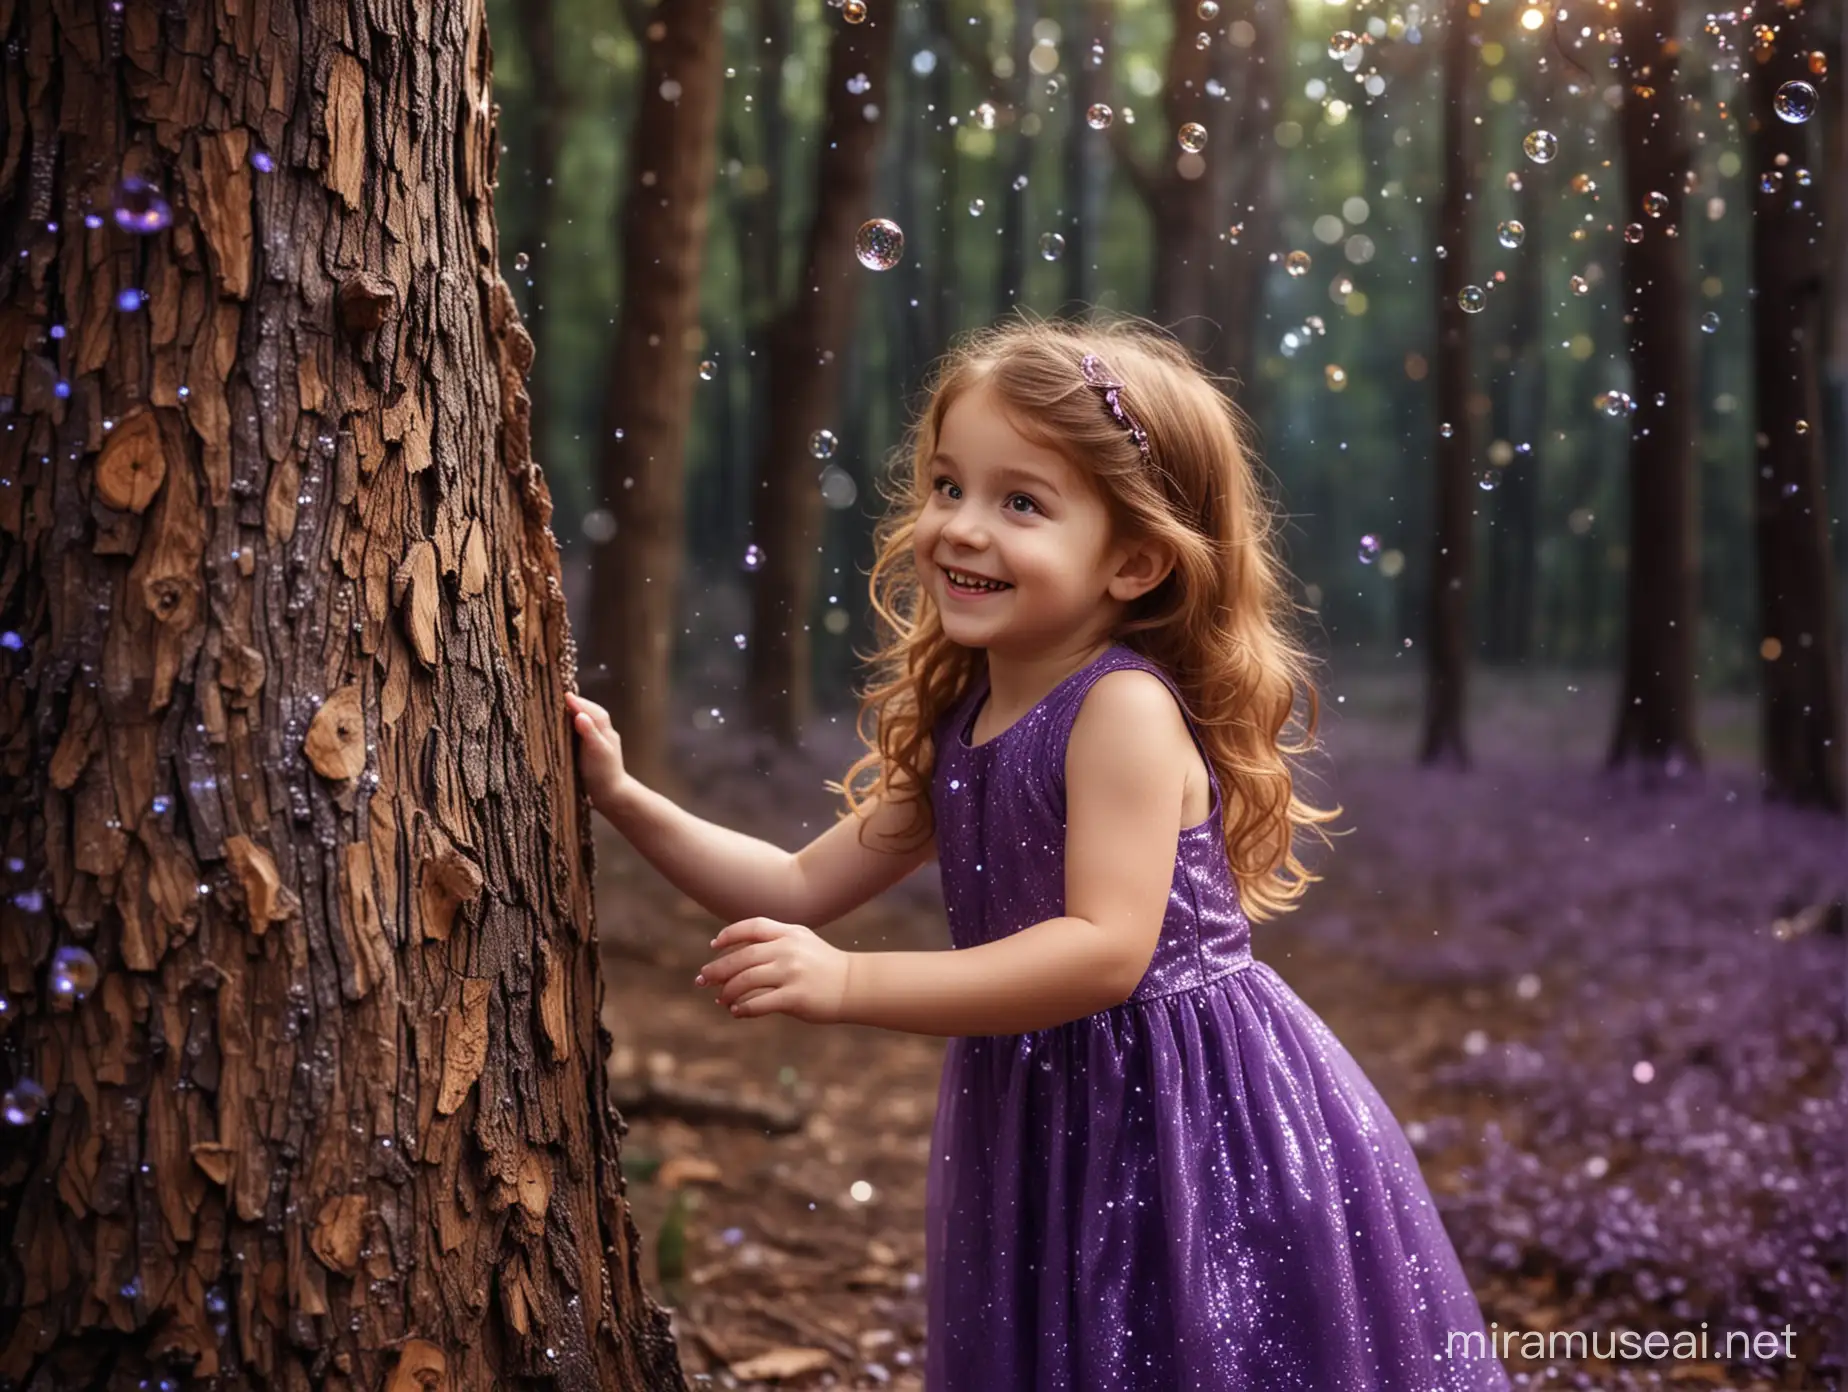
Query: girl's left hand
(769, 967)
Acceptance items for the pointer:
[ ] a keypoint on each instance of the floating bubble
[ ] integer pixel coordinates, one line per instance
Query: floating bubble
(1335, 376)
(853, 11)
(161, 803)
(739, 641)
(1297, 263)
(1818, 63)
(1633, 233)
(1472, 299)
(977, 207)
(599, 526)
(1052, 246)
(1710, 322)
(1207, 9)
(1795, 102)
(1098, 115)
(1234, 232)
(1446, 430)
(1020, 182)
(129, 300)
(838, 490)
(29, 901)
(1584, 183)
(1341, 43)
(1369, 548)
(23, 1103)
(879, 244)
(1770, 181)
(1655, 204)
(985, 115)
(1314, 323)
(753, 557)
(1203, 41)
(708, 370)
(73, 975)
(1541, 146)
(1191, 137)
(1615, 404)
(822, 444)
(139, 206)
(1511, 234)
(1513, 180)
(522, 261)
(1488, 480)
(261, 162)
(1580, 286)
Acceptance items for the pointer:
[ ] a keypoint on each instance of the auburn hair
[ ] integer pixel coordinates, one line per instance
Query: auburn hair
(1220, 625)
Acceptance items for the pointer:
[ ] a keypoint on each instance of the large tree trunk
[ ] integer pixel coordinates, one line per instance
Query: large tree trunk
(1447, 653)
(807, 339)
(649, 403)
(1800, 692)
(1656, 715)
(284, 760)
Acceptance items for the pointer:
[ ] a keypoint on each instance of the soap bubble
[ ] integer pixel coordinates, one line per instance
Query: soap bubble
(1297, 263)
(879, 244)
(1795, 102)
(24, 1103)
(1369, 548)
(261, 162)
(139, 206)
(1052, 246)
(1471, 299)
(1511, 234)
(599, 526)
(1633, 233)
(73, 975)
(1655, 204)
(1098, 115)
(985, 115)
(977, 207)
(129, 300)
(853, 11)
(838, 490)
(753, 557)
(522, 261)
(1207, 9)
(1580, 286)
(708, 370)
(1192, 137)
(1615, 404)
(1341, 43)
(1710, 322)
(822, 444)
(1541, 146)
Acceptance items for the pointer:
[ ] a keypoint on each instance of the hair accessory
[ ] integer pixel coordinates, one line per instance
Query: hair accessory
(1098, 376)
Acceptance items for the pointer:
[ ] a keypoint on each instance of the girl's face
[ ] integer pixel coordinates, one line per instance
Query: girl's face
(1016, 515)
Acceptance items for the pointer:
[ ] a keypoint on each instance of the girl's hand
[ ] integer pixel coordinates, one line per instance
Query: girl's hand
(768, 967)
(599, 752)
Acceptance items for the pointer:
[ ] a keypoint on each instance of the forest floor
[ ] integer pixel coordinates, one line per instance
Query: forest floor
(783, 1269)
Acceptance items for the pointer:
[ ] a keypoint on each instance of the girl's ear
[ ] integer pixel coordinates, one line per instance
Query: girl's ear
(1145, 564)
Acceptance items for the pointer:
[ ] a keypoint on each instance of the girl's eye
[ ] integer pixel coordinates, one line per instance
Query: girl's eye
(1021, 498)
(944, 482)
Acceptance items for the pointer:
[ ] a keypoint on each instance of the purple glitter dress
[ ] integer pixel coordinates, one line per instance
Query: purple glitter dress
(1195, 1189)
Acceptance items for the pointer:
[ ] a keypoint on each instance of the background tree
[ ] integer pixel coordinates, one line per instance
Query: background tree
(1452, 534)
(807, 339)
(1655, 710)
(1801, 696)
(305, 1084)
(652, 371)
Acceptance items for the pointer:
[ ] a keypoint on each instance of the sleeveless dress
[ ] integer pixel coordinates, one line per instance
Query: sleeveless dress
(1195, 1189)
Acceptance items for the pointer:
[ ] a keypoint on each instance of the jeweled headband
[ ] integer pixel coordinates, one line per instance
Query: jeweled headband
(1098, 376)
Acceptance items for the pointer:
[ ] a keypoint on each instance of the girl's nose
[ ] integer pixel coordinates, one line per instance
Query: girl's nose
(965, 528)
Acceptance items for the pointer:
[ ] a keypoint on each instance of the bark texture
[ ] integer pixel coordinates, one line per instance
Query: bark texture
(1447, 651)
(807, 338)
(1656, 715)
(283, 749)
(1800, 693)
(652, 373)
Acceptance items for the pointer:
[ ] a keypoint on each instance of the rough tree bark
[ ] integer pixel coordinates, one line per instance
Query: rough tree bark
(1800, 691)
(284, 761)
(1656, 714)
(807, 339)
(649, 403)
(1447, 651)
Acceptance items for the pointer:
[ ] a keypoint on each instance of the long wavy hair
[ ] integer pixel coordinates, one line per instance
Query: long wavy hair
(1220, 625)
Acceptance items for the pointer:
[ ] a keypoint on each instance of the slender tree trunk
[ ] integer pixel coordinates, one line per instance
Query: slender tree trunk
(652, 376)
(1244, 230)
(1800, 692)
(550, 111)
(945, 280)
(1656, 714)
(1011, 273)
(297, 933)
(1087, 171)
(1447, 653)
(1514, 582)
(807, 338)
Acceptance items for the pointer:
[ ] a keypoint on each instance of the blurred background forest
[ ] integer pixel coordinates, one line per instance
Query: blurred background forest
(1035, 155)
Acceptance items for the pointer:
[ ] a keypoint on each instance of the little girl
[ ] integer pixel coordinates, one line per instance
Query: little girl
(1153, 1167)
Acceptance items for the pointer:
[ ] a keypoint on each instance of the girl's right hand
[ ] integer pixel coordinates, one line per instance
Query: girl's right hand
(599, 752)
